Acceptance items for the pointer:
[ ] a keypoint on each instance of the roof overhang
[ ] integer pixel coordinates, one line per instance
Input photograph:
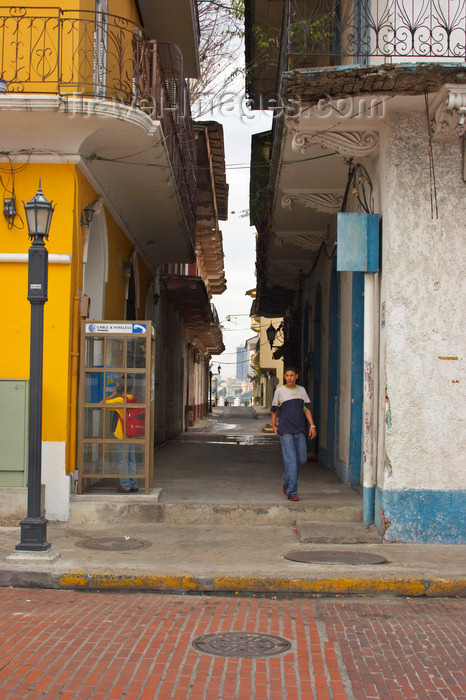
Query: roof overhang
(176, 22)
(189, 296)
(121, 151)
(263, 32)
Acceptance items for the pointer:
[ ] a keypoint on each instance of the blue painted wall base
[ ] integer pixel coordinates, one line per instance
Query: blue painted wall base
(368, 495)
(422, 516)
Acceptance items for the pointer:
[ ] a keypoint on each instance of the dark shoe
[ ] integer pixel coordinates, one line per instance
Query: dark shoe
(293, 497)
(284, 488)
(120, 489)
(135, 489)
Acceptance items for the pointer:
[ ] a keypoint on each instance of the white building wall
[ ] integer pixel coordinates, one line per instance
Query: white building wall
(424, 314)
(56, 481)
(423, 335)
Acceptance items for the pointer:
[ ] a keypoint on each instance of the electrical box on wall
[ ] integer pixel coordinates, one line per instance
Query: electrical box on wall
(13, 431)
(357, 242)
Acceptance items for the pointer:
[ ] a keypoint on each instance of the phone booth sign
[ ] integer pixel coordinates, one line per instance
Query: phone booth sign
(116, 405)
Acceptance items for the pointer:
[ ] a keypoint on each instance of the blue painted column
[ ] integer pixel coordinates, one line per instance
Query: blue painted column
(369, 400)
(357, 375)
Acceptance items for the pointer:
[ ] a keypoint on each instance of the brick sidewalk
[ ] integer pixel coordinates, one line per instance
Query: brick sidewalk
(74, 646)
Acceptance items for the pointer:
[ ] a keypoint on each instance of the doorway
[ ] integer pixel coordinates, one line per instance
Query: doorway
(333, 370)
(95, 263)
(317, 367)
(357, 377)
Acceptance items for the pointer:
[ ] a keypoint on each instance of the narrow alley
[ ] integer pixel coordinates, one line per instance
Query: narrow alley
(232, 460)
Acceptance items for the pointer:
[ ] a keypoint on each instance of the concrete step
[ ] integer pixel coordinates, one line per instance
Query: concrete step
(321, 532)
(139, 508)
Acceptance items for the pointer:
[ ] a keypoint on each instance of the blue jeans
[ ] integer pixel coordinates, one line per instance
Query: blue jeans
(294, 450)
(126, 483)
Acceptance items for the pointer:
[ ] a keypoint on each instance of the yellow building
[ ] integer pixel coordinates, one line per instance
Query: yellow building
(93, 104)
(266, 351)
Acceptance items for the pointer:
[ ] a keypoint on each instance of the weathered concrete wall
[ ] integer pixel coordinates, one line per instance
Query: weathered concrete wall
(423, 273)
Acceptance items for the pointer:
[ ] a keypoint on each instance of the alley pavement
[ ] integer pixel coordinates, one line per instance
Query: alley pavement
(218, 522)
(107, 646)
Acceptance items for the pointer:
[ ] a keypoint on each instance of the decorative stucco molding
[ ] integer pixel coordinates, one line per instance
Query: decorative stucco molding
(309, 240)
(318, 200)
(346, 143)
(449, 120)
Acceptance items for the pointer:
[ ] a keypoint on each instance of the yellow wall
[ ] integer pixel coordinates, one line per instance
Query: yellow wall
(71, 192)
(65, 62)
(58, 184)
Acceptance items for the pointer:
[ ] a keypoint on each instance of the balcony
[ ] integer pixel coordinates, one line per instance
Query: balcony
(87, 64)
(282, 35)
(189, 296)
(322, 33)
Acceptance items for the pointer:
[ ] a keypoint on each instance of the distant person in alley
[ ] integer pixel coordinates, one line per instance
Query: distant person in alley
(292, 407)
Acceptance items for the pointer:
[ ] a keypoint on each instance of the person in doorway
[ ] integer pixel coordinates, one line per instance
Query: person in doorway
(292, 407)
(117, 398)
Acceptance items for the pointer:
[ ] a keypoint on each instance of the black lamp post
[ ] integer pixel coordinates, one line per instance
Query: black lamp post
(39, 216)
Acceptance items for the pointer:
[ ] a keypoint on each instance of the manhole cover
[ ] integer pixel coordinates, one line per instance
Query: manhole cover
(241, 644)
(113, 544)
(332, 557)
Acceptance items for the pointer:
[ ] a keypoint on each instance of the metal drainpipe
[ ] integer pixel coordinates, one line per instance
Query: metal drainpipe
(369, 422)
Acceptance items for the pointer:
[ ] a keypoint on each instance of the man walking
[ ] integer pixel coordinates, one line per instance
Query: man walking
(292, 406)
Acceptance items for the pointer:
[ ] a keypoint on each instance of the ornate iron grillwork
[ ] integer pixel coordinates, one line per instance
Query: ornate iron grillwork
(323, 33)
(84, 54)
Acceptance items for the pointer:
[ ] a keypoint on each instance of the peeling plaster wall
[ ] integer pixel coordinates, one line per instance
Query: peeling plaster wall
(423, 313)
(423, 276)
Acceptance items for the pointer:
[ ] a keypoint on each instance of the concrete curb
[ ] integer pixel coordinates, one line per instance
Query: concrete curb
(279, 586)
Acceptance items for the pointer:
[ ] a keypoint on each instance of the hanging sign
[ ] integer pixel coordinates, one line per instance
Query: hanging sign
(116, 328)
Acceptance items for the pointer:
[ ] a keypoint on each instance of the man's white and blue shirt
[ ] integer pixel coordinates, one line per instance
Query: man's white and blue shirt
(291, 404)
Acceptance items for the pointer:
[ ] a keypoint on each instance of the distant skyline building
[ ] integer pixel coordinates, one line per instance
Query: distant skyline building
(241, 363)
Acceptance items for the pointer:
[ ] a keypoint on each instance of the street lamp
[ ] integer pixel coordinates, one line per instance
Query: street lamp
(210, 389)
(39, 213)
(271, 333)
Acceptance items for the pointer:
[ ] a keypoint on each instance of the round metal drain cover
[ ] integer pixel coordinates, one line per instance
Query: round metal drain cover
(332, 557)
(247, 645)
(113, 544)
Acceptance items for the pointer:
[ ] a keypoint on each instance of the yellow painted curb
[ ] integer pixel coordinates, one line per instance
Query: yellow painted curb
(251, 584)
(115, 581)
(411, 587)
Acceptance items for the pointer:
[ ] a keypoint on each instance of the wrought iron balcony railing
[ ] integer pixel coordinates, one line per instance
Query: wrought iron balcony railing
(333, 32)
(85, 54)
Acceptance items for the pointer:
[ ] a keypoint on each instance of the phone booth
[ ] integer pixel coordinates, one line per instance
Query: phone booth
(116, 405)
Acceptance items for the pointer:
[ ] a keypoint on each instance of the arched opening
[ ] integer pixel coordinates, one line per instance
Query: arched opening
(95, 263)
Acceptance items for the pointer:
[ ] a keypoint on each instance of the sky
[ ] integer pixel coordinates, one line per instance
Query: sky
(239, 245)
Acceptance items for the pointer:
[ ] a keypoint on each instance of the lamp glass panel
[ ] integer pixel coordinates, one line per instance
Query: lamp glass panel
(31, 219)
(42, 219)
